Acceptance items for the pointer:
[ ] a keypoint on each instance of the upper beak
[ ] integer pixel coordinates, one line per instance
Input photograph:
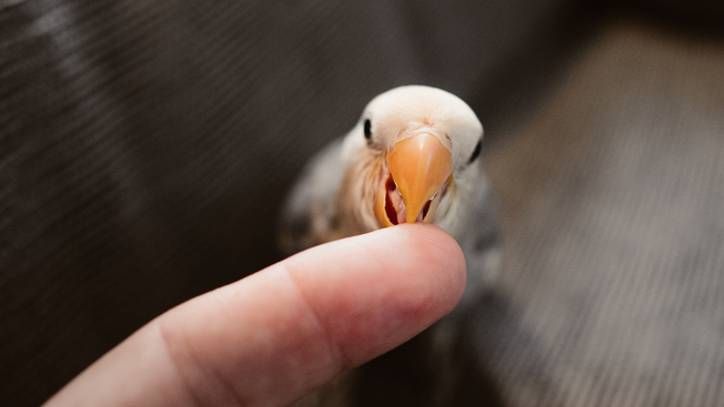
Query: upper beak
(420, 165)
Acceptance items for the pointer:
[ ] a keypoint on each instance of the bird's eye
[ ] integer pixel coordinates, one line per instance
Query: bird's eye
(476, 152)
(368, 129)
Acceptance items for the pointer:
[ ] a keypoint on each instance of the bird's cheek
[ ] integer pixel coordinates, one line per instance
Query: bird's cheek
(429, 215)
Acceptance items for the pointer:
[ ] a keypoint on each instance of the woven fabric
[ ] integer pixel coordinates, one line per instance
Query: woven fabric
(613, 292)
(145, 148)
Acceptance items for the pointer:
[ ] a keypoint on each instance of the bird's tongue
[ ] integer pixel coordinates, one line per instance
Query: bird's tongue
(394, 206)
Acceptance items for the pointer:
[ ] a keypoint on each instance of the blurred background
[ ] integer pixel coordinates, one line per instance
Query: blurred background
(146, 146)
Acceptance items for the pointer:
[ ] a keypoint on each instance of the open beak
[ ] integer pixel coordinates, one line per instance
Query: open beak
(420, 167)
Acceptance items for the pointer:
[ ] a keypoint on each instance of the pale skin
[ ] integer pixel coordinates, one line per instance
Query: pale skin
(272, 337)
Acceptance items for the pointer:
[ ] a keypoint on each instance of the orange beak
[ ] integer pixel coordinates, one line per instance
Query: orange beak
(419, 165)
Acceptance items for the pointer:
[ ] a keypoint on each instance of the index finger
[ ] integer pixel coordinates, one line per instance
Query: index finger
(271, 337)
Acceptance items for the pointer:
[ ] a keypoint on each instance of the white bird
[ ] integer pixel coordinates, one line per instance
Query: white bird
(413, 156)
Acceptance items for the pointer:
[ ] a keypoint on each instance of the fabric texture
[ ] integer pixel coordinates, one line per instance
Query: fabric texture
(612, 290)
(146, 147)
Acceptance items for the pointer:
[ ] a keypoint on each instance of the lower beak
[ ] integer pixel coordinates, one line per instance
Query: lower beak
(420, 165)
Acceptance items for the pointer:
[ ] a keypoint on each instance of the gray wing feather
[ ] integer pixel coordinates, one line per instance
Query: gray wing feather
(481, 242)
(310, 209)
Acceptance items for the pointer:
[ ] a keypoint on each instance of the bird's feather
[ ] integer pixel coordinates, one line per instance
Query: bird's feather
(331, 200)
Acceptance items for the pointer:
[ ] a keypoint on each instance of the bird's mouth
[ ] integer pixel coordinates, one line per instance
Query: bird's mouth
(417, 175)
(395, 209)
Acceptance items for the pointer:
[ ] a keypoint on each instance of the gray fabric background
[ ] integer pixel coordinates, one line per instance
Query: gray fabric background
(614, 217)
(145, 147)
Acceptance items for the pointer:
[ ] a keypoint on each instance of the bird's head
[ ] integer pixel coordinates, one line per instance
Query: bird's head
(412, 150)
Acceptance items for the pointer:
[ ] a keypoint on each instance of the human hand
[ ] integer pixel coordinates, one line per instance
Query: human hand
(276, 335)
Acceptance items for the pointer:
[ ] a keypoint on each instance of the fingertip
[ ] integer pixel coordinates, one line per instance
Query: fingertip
(377, 290)
(437, 257)
(431, 248)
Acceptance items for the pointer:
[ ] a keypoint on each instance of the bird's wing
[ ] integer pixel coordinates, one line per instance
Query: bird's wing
(309, 216)
(481, 241)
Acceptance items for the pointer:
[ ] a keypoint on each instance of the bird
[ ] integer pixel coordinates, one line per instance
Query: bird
(413, 156)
